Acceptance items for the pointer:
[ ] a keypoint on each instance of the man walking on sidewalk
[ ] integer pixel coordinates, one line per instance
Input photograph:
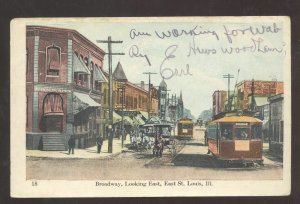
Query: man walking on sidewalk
(71, 144)
(99, 143)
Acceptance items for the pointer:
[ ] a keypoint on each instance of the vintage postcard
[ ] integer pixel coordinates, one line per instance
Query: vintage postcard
(156, 106)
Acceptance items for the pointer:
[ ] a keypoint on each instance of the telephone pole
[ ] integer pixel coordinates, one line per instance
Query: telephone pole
(109, 42)
(149, 94)
(228, 76)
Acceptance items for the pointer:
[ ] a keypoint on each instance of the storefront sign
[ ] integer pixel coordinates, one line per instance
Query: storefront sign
(52, 89)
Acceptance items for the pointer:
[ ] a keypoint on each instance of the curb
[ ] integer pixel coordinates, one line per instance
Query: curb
(76, 158)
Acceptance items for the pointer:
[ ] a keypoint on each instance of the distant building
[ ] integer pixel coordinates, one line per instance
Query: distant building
(154, 97)
(261, 88)
(180, 107)
(276, 124)
(162, 100)
(134, 98)
(219, 101)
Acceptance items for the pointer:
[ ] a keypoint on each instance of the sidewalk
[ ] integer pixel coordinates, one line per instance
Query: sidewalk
(88, 153)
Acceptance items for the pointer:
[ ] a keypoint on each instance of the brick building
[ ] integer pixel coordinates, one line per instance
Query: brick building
(276, 125)
(63, 88)
(261, 88)
(219, 101)
(135, 97)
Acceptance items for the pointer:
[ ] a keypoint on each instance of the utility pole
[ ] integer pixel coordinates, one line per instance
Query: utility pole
(109, 42)
(228, 76)
(149, 94)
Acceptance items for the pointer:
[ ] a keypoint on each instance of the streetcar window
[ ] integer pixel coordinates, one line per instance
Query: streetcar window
(179, 125)
(242, 134)
(187, 126)
(256, 131)
(226, 132)
(212, 131)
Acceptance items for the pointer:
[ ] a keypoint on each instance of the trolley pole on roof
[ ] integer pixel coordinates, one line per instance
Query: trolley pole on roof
(228, 76)
(109, 42)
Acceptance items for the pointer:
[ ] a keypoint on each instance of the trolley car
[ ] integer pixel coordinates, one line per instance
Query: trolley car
(185, 128)
(236, 139)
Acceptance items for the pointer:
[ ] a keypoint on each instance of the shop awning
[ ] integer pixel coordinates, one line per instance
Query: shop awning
(128, 120)
(99, 76)
(144, 114)
(116, 118)
(82, 101)
(79, 66)
(138, 120)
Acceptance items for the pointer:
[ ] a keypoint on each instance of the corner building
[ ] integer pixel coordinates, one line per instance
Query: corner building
(63, 88)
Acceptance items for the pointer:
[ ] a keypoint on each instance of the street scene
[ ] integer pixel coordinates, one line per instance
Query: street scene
(155, 101)
(191, 162)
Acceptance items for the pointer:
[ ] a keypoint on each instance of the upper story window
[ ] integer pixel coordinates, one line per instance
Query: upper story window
(53, 60)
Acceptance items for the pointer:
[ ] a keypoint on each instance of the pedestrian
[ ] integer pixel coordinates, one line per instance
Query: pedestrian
(71, 144)
(99, 143)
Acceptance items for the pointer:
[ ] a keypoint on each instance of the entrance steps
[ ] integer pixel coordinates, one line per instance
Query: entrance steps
(55, 142)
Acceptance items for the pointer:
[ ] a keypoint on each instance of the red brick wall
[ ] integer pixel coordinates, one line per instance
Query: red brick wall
(261, 88)
(30, 53)
(29, 91)
(63, 72)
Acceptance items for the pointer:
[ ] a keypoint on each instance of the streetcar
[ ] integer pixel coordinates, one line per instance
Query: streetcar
(236, 139)
(185, 128)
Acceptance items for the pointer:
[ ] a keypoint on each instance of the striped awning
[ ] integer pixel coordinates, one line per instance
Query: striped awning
(79, 66)
(99, 76)
(116, 117)
(82, 101)
(137, 120)
(128, 120)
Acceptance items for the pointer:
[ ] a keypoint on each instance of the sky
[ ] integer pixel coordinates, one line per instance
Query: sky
(197, 48)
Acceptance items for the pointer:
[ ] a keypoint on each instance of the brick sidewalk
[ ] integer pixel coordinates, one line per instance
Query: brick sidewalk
(88, 153)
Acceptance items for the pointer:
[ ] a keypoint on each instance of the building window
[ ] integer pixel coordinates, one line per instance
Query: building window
(53, 60)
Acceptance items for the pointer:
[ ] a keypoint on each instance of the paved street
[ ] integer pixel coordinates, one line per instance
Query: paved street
(191, 162)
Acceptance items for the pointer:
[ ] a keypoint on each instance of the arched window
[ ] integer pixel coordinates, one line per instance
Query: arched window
(53, 113)
(53, 60)
(53, 104)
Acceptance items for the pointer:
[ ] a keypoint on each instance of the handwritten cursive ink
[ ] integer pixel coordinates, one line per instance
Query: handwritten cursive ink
(194, 49)
(134, 51)
(179, 32)
(134, 33)
(256, 46)
(167, 72)
(250, 30)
